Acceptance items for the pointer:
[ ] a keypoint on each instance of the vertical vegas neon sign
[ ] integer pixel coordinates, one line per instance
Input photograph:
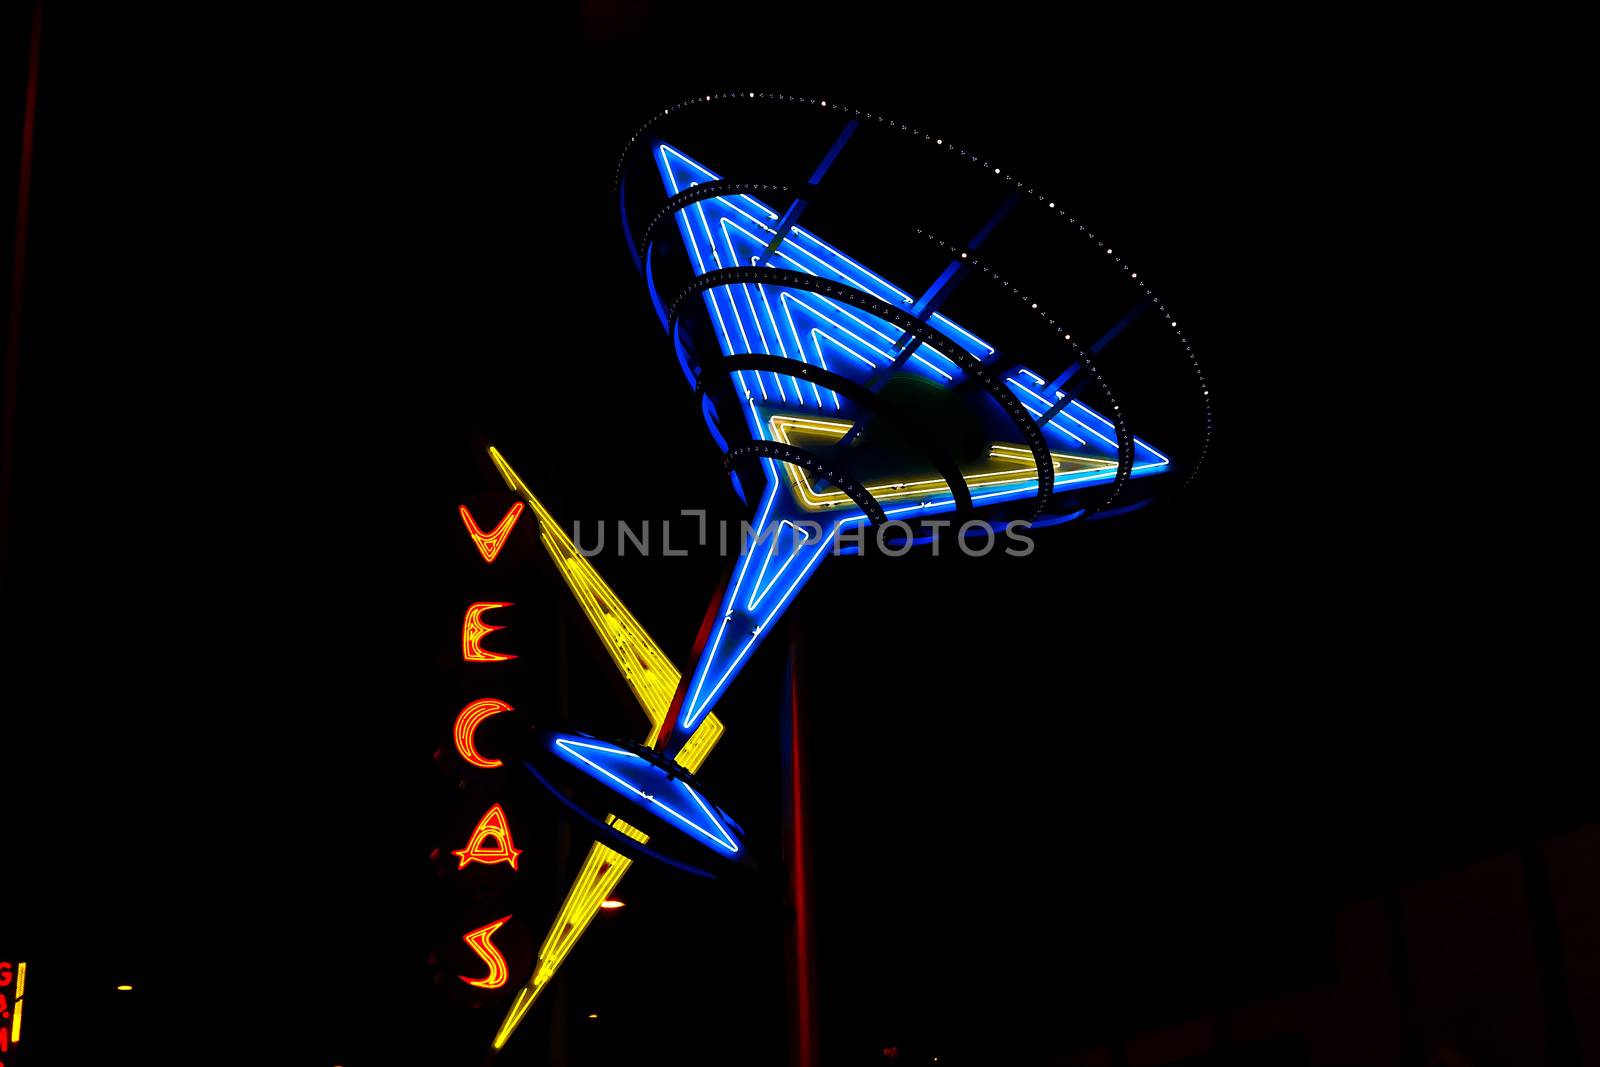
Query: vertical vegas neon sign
(490, 841)
(11, 1006)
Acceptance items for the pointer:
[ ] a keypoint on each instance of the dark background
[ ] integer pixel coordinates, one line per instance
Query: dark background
(286, 273)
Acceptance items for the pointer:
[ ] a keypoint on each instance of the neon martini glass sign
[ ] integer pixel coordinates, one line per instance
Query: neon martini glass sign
(803, 358)
(811, 338)
(788, 408)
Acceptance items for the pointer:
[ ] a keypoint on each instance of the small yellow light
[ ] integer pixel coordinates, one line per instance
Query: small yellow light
(612, 905)
(124, 988)
(593, 1015)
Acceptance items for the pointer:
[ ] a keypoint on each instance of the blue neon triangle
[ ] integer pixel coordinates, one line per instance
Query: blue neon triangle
(735, 230)
(729, 231)
(672, 800)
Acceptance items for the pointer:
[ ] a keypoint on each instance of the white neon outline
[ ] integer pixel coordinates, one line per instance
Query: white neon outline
(762, 590)
(887, 352)
(905, 297)
(761, 627)
(724, 841)
(781, 254)
(818, 336)
(690, 715)
(733, 254)
(849, 313)
(988, 349)
(797, 297)
(1037, 415)
(800, 232)
(1065, 412)
(728, 225)
(777, 335)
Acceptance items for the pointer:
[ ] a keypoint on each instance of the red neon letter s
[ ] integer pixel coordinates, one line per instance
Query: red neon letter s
(480, 940)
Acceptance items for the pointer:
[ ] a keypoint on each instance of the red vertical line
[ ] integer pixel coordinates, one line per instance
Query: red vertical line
(1561, 1034)
(557, 1000)
(1402, 977)
(804, 1052)
(8, 417)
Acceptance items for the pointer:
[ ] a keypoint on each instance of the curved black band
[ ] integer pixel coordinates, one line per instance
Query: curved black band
(1119, 425)
(614, 837)
(860, 394)
(816, 465)
(642, 137)
(863, 301)
(694, 194)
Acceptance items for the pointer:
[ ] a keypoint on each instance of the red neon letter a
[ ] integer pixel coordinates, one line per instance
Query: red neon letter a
(492, 825)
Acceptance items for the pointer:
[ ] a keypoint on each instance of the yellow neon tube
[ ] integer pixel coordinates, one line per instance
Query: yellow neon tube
(1015, 465)
(646, 669)
(654, 680)
(16, 1007)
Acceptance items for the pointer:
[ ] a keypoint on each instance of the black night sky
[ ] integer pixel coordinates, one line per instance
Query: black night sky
(287, 273)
